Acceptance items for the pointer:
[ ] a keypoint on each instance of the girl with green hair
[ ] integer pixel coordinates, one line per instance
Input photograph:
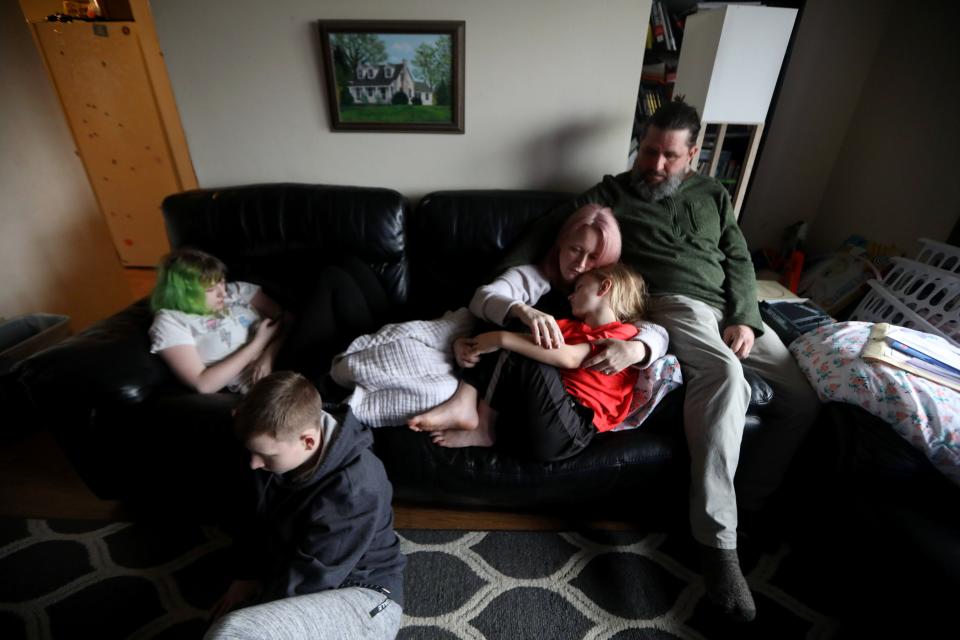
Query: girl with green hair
(212, 333)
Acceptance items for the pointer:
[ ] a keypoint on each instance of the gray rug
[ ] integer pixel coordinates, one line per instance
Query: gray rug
(69, 579)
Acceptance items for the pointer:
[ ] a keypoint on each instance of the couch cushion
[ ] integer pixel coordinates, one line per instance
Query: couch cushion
(639, 466)
(281, 235)
(458, 237)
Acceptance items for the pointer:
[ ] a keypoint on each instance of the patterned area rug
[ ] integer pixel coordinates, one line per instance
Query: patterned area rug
(68, 579)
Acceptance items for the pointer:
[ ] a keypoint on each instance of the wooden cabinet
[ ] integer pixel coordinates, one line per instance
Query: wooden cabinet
(112, 85)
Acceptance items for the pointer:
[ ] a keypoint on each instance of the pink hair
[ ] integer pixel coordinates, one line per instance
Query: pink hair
(598, 217)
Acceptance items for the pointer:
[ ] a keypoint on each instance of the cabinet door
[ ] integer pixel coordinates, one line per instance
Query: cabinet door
(105, 90)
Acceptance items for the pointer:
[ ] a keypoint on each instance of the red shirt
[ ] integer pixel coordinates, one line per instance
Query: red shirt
(608, 396)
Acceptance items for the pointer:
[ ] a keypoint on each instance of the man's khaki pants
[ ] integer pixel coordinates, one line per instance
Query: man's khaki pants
(716, 402)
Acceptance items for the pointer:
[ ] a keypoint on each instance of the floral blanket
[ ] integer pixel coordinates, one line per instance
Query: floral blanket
(925, 413)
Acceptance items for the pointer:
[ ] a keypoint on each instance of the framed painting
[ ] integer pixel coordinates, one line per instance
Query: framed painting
(395, 75)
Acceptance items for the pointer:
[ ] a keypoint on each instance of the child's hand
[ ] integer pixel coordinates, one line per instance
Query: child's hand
(239, 593)
(261, 367)
(266, 330)
(463, 352)
(485, 343)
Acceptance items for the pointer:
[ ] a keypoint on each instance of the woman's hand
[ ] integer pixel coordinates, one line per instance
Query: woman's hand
(613, 356)
(543, 326)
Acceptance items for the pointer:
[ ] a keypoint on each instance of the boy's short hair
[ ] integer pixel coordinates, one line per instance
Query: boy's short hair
(628, 293)
(183, 277)
(281, 405)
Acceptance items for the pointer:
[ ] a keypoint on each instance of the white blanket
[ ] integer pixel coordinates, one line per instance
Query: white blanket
(403, 369)
(407, 368)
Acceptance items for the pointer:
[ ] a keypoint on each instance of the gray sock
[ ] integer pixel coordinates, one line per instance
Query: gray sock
(725, 584)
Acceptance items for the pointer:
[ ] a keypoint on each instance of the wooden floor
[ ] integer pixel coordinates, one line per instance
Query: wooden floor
(37, 481)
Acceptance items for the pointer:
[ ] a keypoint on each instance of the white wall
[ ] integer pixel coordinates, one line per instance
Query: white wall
(896, 177)
(834, 49)
(55, 251)
(864, 138)
(551, 87)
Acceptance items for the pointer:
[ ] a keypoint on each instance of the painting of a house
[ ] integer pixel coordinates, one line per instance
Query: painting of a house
(379, 83)
(399, 76)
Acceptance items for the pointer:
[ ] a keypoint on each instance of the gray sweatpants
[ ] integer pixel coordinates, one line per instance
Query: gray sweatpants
(337, 614)
(717, 396)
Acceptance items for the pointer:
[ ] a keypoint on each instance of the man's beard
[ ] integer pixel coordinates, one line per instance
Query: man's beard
(661, 190)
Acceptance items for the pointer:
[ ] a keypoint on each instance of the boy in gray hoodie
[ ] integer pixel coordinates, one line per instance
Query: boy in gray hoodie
(323, 548)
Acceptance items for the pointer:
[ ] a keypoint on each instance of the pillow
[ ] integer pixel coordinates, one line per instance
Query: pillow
(653, 383)
(925, 413)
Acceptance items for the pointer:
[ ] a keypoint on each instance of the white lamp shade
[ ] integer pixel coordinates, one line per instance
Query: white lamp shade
(730, 60)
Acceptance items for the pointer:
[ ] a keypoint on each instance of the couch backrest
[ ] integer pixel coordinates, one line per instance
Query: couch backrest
(456, 239)
(282, 235)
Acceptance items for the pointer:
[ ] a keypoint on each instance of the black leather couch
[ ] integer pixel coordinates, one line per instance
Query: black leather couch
(879, 522)
(133, 432)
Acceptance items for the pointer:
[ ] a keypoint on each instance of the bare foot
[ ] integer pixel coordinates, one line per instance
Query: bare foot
(457, 438)
(482, 436)
(459, 412)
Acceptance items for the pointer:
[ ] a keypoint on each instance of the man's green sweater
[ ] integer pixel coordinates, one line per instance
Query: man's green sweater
(686, 244)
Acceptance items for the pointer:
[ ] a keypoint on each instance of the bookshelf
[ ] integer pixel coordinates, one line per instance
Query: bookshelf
(727, 153)
(727, 67)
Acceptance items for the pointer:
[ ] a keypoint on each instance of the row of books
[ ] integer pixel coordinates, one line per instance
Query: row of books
(666, 28)
(916, 352)
(650, 100)
(728, 167)
(660, 71)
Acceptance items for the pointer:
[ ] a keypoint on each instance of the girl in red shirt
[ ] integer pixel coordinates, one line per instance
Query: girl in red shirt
(559, 423)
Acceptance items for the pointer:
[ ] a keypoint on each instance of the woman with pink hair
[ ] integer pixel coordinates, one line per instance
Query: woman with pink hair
(589, 238)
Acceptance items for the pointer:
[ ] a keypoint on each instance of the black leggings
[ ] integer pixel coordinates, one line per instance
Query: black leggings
(348, 301)
(537, 418)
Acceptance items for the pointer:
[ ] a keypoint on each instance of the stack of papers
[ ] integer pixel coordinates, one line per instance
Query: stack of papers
(919, 353)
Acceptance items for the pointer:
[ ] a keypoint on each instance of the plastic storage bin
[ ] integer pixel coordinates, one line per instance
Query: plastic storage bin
(916, 295)
(940, 255)
(25, 335)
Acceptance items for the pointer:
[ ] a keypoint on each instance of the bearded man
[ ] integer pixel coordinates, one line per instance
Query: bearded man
(679, 231)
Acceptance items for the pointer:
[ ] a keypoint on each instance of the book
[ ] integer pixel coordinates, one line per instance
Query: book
(669, 39)
(930, 360)
(772, 291)
(678, 22)
(656, 26)
(654, 72)
(930, 345)
(790, 319)
(877, 349)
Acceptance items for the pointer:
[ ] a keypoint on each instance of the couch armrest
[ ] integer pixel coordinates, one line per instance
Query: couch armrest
(108, 363)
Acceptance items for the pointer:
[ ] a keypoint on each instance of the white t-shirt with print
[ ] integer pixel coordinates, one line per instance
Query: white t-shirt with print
(215, 336)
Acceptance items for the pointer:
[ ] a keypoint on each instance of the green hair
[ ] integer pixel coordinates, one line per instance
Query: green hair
(182, 281)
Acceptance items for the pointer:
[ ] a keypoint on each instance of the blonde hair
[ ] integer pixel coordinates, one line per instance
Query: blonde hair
(282, 405)
(628, 290)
